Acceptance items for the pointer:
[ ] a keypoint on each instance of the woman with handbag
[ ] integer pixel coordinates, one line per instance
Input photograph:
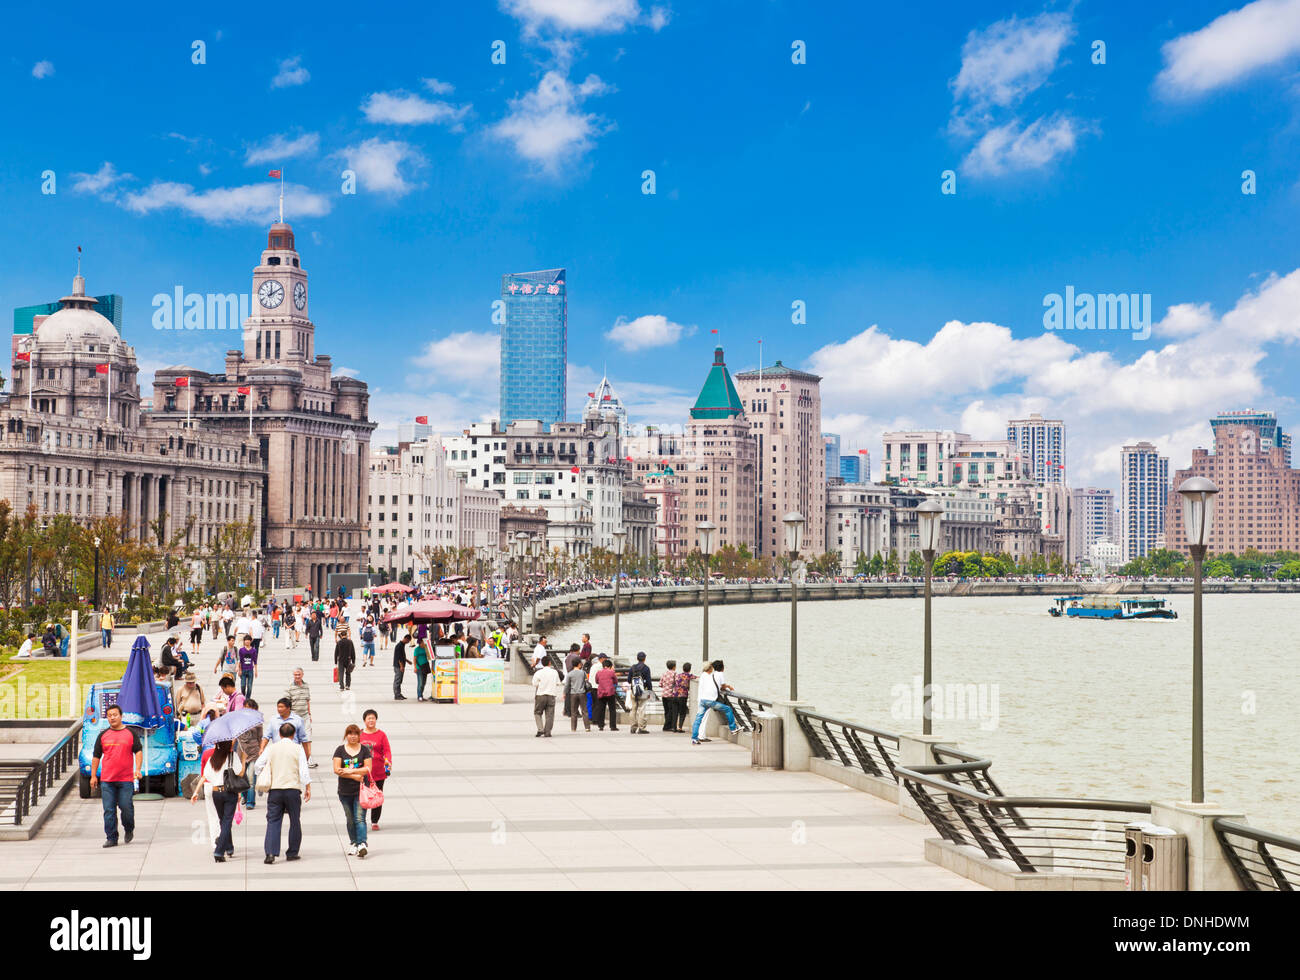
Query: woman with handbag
(223, 781)
(352, 761)
(381, 765)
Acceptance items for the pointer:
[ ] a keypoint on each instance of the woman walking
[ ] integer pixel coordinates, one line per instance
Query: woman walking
(421, 657)
(606, 696)
(381, 757)
(223, 760)
(352, 761)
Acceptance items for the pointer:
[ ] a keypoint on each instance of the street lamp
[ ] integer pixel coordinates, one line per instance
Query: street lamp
(929, 520)
(535, 549)
(521, 542)
(705, 530)
(97, 574)
(1198, 518)
(794, 523)
(620, 542)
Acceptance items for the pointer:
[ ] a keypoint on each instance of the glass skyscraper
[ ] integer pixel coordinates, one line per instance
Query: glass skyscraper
(534, 346)
(109, 307)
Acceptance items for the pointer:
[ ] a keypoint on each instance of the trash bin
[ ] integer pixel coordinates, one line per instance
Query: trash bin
(1133, 857)
(768, 750)
(1164, 860)
(189, 752)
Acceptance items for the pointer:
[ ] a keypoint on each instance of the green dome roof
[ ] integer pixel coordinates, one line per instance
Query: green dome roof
(718, 398)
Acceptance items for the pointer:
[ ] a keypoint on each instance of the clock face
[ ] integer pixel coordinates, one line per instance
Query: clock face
(271, 294)
(299, 295)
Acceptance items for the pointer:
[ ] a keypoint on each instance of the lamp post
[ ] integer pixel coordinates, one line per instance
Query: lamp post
(929, 519)
(96, 572)
(620, 541)
(535, 549)
(1198, 518)
(705, 530)
(521, 539)
(794, 523)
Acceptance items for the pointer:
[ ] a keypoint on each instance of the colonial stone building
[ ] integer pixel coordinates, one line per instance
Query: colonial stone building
(311, 426)
(77, 441)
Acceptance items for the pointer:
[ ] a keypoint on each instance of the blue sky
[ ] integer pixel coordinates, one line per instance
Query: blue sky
(775, 182)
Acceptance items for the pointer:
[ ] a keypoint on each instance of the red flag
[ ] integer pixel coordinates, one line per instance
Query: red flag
(573, 469)
(244, 391)
(23, 357)
(182, 382)
(862, 450)
(713, 331)
(591, 394)
(101, 369)
(275, 174)
(422, 420)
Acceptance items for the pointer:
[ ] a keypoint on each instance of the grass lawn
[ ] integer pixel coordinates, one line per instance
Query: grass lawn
(39, 689)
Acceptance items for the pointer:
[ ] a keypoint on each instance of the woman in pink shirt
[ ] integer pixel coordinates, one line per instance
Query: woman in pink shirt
(382, 754)
(606, 700)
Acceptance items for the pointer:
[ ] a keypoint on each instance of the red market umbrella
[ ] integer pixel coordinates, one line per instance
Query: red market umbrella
(431, 611)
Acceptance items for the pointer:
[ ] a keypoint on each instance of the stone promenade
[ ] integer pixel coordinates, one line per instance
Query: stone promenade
(476, 802)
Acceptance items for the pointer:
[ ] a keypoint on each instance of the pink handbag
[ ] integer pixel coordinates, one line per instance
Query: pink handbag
(371, 795)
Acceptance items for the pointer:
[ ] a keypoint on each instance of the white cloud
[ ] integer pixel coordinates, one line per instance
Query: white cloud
(594, 16)
(1010, 148)
(379, 165)
(1259, 35)
(437, 87)
(43, 69)
(407, 109)
(658, 18)
(547, 126)
(645, 402)
(1001, 67)
(291, 73)
(205, 169)
(1007, 60)
(281, 147)
(248, 204)
(472, 355)
(103, 181)
(972, 377)
(653, 330)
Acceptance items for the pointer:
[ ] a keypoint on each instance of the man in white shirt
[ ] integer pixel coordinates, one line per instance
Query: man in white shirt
(546, 685)
(25, 651)
(256, 631)
(282, 771)
(539, 652)
(227, 618)
(712, 683)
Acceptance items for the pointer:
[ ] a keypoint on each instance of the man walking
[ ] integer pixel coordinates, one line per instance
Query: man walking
(575, 698)
(106, 628)
(539, 652)
(345, 657)
(546, 685)
(399, 668)
(283, 775)
(314, 629)
(712, 684)
(638, 680)
(115, 767)
(299, 695)
(247, 667)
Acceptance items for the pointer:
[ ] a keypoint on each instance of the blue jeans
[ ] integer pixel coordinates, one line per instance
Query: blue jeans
(356, 818)
(225, 804)
(279, 804)
(368, 650)
(246, 683)
(250, 794)
(705, 706)
(118, 796)
(275, 629)
(106, 638)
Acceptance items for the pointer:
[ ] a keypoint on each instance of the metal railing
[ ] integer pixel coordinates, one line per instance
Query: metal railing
(24, 781)
(745, 707)
(854, 746)
(1034, 833)
(1252, 855)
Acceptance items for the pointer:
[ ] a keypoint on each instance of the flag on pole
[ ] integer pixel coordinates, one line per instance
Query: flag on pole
(273, 173)
(101, 369)
(108, 390)
(248, 391)
(23, 356)
(182, 382)
(279, 175)
(245, 391)
(422, 420)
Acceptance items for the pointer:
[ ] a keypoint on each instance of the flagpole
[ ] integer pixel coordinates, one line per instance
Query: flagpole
(282, 195)
(190, 408)
(31, 371)
(250, 411)
(108, 393)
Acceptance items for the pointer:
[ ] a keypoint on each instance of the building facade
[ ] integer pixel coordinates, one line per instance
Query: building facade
(313, 427)
(1041, 443)
(857, 522)
(784, 410)
(1094, 519)
(718, 469)
(1258, 503)
(534, 346)
(1143, 498)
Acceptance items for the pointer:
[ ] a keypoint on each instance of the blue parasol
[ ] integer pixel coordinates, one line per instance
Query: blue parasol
(138, 696)
(231, 725)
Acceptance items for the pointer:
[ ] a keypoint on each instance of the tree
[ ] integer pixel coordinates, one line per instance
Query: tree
(861, 566)
(915, 564)
(891, 563)
(877, 564)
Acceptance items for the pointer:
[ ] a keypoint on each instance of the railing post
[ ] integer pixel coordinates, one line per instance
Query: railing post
(916, 750)
(797, 750)
(1207, 866)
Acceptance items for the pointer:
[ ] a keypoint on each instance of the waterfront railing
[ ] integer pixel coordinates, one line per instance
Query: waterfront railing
(853, 745)
(1262, 861)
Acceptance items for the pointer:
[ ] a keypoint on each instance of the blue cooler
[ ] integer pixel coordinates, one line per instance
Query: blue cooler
(189, 752)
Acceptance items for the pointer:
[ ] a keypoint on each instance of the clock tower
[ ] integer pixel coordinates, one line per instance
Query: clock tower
(279, 328)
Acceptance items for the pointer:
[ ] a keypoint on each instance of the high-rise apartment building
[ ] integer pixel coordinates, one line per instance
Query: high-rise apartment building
(1094, 520)
(784, 409)
(1143, 494)
(848, 469)
(1041, 442)
(1258, 503)
(534, 346)
(832, 444)
(945, 458)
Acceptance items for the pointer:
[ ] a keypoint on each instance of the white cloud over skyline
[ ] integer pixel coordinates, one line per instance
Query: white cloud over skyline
(1261, 35)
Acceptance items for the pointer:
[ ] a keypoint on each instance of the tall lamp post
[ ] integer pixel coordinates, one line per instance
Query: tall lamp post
(794, 523)
(620, 542)
(521, 540)
(929, 520)
(1198, 518)
(535, 548)
(97, 575)
(705, 530)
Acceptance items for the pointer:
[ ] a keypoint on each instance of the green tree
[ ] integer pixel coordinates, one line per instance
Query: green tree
(891, 563)
(877, 564)
(915, 564)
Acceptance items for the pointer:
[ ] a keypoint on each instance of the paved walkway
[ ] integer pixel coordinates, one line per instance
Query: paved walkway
(476, 802)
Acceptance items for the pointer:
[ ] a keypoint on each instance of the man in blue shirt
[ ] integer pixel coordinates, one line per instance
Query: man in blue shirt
(284, 714)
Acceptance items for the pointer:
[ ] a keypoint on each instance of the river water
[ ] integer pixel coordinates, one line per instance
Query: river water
(1063, 707)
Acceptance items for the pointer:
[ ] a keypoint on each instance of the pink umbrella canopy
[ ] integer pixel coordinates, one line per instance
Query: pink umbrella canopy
(391, 587)
(456, 578)
(431, 611)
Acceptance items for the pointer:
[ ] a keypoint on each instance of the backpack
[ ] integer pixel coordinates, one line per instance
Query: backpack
(367, 634)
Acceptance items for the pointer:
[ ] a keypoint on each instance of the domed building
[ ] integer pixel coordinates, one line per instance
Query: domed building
(76, 441)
